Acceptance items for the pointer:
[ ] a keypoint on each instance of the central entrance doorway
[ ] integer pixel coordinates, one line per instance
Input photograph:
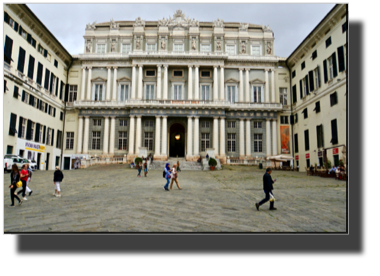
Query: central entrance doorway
(177, 140)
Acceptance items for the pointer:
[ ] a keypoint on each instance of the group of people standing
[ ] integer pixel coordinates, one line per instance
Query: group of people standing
(171, 174)
(25, 176)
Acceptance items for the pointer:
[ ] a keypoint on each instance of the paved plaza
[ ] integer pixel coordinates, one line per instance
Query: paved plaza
(110, 198)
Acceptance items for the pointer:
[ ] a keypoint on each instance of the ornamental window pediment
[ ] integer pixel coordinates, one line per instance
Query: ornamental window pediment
(231, 80)
(98, 79)
(256, 81)
(123, 79)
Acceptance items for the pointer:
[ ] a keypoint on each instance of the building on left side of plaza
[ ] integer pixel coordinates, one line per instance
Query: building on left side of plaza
(35, 75)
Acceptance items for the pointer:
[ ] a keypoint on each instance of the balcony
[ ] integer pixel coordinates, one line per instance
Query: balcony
(196, 104)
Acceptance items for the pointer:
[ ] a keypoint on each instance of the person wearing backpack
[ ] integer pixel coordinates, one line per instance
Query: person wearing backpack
(166, 175)
(15, 177)
(58, 177)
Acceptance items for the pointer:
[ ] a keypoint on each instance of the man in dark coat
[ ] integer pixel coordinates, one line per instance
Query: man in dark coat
(268, 187)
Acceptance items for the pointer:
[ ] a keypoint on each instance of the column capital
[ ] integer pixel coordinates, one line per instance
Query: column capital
(166, 65)
(216, 117)
(132, 116)
(158, 116)
(113, 117)
(241, 119)
(80, 117)
(268, 119)
(196, 117)
(138, 116)
(189, 117)
(84, 67)
(247, 69)
(266, 69)
(114, 67)
(159, 66)
(141, 65)
(248, 119)
(134, 65)
(215, 66)
(241, 69)
(222, 118)
(196, 66)
(272, 69)
(222, 66)
(89, 67)
(274, 119)
(190, 66)
(164, 117)
(109, 67)
(106, 117)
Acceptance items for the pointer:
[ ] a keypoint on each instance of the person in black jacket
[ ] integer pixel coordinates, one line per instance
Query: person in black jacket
(268, 187)
(58, 176)
(15, 177)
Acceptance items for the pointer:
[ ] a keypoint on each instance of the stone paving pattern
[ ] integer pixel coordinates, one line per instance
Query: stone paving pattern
(110, 198)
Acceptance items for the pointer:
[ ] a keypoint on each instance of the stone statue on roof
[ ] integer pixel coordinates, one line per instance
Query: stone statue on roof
(114, 25)
(139, 22)
(90, 26)
(244, 26)
(218, 23)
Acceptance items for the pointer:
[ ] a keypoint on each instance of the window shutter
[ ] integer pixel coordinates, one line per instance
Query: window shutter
(39, 73)
(6, 17)
(28, 130)
(31, 100)
(325, 70)
(47, 75)
(20, 127)
(335, 69)
(295, 143)
(34, 43)
(294, 94)
(38, 103)
(292, 119)
(60, 91)
(45, 53)
(20, 30)
(46, 107)
(15, 92)
(31, 67)
(29, 38)
(52, 137)
(54, 112)
(306, 140)
(43, 135)
(56, 87)
(311, 80)
(319, 77)
(23, 96)
(322, 139)
(307, 85)
(37, 136)
(300, 89)
(8, 49)
(12, 124)
(21, 60)
(66, 93)
(15, 26)
(341, 58)
(334, 132)
(51, 82)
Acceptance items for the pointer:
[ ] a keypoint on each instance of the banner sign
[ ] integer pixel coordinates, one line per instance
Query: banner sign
(307, 155)
(320, 153)
(297, 157)
(285, 139)
(335, 151)
(34, 147)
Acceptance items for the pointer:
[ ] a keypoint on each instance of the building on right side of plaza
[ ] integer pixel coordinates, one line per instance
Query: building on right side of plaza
(318, 69)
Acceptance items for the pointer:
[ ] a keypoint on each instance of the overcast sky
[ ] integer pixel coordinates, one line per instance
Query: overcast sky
(291, 23)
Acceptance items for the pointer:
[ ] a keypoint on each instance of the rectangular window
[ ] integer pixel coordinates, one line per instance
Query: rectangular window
(320, 139)
(52, 83)
(25, 97)
(23, 128)
(306, 140)
(302, 65)
(336, 160)
(149, 123)
(149, 92)
(205, 141)
(151, 47)
(334, 132)
(294, 93)
(9, 149)
(231, 142)
(305, 115)
(257, 124)
(231, 93)
(97, 122)
(295, 142)
(308, 163)
(256, 94)
(205, 92)
(39, 73)
(123, 140)
(330, 68)
(344, 27)
(178, 73)
(314, 55)
(69, 140)
(258, 143)
(95, 140)
(148, 140)
(150, 73)
(73, 93)
(328, 42)
(21, 60)
(123, 92)
(231, 124)
(284, 120)
(12, 125)
(61, 116)
(15, 92)
(101, 48)
(293, 74)
(178, 47)
(255, 50)
(205, 73)
(230, 49)
(8, 50)
(98, 93)
(47, 76)
(56, 63)
(126, 48)
(31, 67)
(296, 118)
(284, 96)
(333, 98)
(205, 124)
(40, 134)
(48, 142)
(205, 48)
(123, 122)
(317, 108)
(316, 78)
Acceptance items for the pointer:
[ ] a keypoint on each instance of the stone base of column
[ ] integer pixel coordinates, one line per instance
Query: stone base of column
(160, 158)
(192, 158)
(222, 159)
(130, 158)
(241, 157)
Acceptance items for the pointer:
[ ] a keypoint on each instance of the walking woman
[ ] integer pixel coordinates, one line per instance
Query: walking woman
(167, 177)
(145, 167)
(139, 169)
(24, 175)
(58, 177)
(15, 177)
(174, 177)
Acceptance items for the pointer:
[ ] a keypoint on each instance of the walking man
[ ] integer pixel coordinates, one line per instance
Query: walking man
(268, 187)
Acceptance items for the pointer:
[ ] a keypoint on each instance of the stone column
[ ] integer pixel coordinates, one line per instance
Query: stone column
(215, 136)
(272, 88)
(189, 137)
(222, 137)
(105, 136)
(247, 97)
(196, 136)
(114, 86)
(241, 92)
(83, 92)
(190, 83)
(166, 82)
(274, 136)
(157, 136)
(112, 137)
(266, 87)
(131, 135)
(196, 84)
(108, 91)
(85, 136)
(80, 132)
(140, 84)
(133, 89)
(215, 98)
(158, 97)
(138, 134)
(248, 138)
(221, 83)
(164, 135)
(241, 138)
(89, 84)
(268, 138)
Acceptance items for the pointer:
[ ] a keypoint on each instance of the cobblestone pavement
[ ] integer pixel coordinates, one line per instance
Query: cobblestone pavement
(110, 198)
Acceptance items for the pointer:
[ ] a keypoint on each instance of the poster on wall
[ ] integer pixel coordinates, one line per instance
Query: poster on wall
(285, 139)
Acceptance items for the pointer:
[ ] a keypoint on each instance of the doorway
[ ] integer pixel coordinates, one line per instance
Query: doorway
(38, 160)
(66, 161)
(47, 161)
(177, 141)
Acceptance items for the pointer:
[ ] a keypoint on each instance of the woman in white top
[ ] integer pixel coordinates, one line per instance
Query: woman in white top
(174, 175)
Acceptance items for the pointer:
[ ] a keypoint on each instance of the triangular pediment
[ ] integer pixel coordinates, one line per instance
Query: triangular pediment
(231, 80)
(98, 79)
(123, 79)
(258, 81)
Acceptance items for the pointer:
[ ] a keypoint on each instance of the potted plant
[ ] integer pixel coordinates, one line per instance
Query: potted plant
(212, 163)
(138, 160)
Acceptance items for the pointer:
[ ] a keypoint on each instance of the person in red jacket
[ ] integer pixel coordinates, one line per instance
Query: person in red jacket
(24, 175)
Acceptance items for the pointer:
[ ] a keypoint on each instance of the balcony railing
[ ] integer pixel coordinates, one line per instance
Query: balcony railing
(176, 104)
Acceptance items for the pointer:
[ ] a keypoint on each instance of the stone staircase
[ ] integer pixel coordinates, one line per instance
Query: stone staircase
(184, 165)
